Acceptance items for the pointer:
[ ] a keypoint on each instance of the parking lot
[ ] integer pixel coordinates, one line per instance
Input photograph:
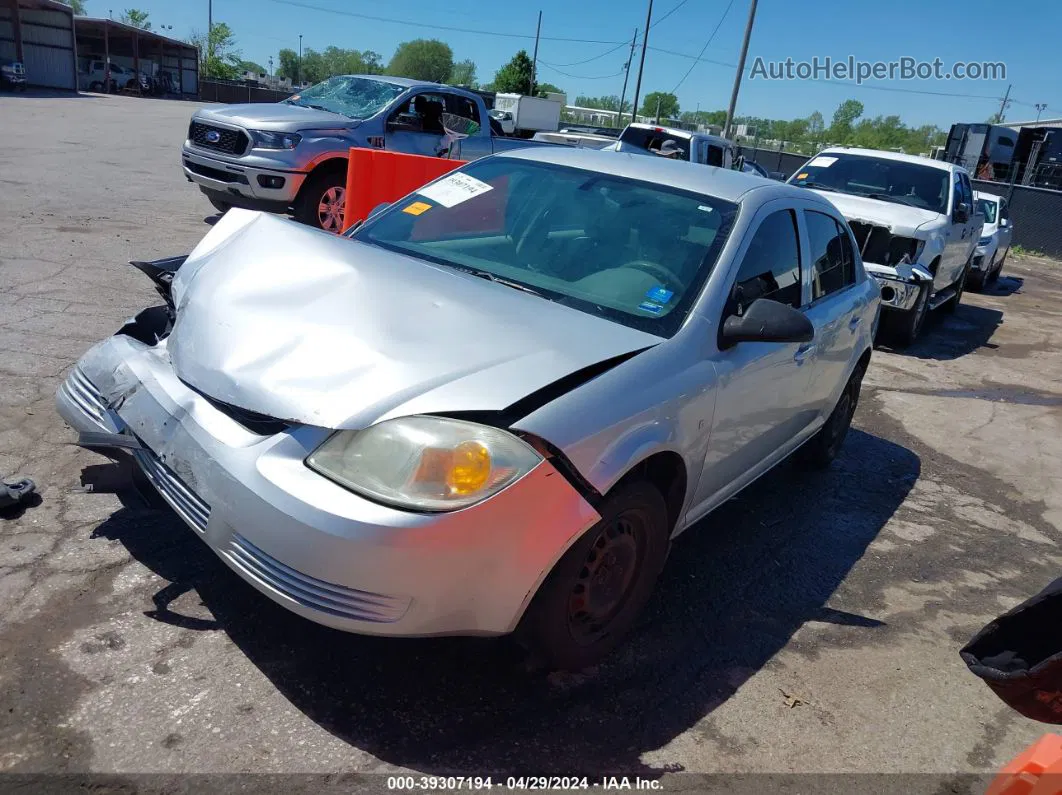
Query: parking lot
(811, 625)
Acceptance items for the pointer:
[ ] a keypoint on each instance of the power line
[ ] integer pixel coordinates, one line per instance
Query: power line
(679, 5)
(579, 77)
(450, 28)
(588, 60)
(705, 47)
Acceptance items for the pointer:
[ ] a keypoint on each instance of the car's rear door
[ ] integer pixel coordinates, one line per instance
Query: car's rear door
(837, 307)
(762, 406)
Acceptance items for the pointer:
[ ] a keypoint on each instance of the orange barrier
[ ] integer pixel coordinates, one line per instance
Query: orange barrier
(1035, 771)
(375, 176)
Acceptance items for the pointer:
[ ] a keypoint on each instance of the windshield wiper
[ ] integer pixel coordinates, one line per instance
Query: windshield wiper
(885, 197)
(493, 277)
(818, 186)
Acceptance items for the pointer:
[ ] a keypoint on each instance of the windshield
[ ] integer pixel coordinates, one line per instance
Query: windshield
(887, 180)
(633, 252)
(652, 140)
(987, 208)
(356, 97)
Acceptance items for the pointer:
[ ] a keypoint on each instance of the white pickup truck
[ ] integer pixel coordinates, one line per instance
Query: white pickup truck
(914, 221)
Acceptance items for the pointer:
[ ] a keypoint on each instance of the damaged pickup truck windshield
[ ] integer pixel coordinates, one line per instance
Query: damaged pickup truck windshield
(924, 187)
(633, 252)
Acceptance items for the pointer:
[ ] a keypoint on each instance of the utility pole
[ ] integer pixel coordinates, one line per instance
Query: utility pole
(658, 109)
(210, 29)
(740, 71)
(1003, 105)
(641, 63)
(627, 74)
(270, 68)
(534, 59)
(1040, 108)
(299, 85)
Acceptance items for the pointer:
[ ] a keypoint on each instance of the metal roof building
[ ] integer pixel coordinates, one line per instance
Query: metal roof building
(107, 40)
(40, 35)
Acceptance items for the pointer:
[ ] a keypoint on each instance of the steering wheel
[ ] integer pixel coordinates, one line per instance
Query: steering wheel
(655, 269)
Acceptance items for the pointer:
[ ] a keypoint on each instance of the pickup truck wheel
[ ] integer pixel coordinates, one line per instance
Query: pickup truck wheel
(596, 591)
(820, 450)
(96, 86)
(220, 206)
(960, 287)
(904, 327)
(322, 200)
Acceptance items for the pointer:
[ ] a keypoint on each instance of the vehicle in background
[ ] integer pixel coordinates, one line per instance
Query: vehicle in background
(530, 114)
(12, 76)
(505, 120)
(986, 151)
(994, 243)
(1038, 157)
(574, 138)
(914, 222)
(492, 406)
(585, 129)
(694, 147)
(291, 156)
(100, 77)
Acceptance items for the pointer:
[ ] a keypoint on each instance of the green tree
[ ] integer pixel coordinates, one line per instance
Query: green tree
(77, 5)
(541, 89)
(136, 18)
(463, 74)
(515, 76)
(218, 56)
(251, 66)
(608, 102)
(843, 118)
(288, 64)
(422, 59)
(668, 105)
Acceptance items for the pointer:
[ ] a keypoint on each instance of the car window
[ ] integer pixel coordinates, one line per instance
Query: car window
(771, 265)
(463, 107)
(715, 155)
(832, 261)
(967, 190)
(355, 97)
(636, 253)
(987, 208)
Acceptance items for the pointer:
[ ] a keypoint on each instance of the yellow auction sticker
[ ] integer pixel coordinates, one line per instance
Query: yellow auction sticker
(416, 208)
(803, 175)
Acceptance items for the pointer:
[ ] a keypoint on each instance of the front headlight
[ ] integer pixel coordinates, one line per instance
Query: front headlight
(424, 463)
(264, 139)
(984, 241)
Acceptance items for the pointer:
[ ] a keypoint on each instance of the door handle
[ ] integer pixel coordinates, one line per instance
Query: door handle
(853, 323)
(803, 352)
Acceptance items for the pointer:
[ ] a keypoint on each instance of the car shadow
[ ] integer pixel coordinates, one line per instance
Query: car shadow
(945, 337)
(737, 586)
(1003, 286)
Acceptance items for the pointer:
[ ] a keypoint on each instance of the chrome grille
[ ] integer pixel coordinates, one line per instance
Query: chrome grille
(231, 142)
(188, 505)
(327, 597)
(84, 394)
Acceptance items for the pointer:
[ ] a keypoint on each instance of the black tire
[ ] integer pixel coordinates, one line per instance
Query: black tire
(96, 86)
(219, 205)
(978, 280)
(617, 561)
(325, 186)
(820, 450)
(994, 276)
(960, 287)
(904, 327)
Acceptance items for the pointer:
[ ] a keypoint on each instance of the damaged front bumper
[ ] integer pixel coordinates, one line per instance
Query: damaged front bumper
(900, 285)
(314, 547)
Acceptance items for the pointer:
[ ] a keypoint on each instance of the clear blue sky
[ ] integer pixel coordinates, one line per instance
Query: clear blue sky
(965, 30)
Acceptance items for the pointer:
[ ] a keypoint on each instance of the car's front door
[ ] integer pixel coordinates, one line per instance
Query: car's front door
(836, 309)
(415, 127)
(762, 405)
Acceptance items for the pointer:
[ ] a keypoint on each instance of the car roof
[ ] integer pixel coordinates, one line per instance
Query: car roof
(898, 156)
(722, 183)
(980, 194)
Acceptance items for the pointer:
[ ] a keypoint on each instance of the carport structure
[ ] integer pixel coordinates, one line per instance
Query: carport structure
(40, 35)
(114, 42)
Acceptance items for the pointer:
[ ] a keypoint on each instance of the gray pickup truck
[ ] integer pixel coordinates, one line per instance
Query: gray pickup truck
(291, 156)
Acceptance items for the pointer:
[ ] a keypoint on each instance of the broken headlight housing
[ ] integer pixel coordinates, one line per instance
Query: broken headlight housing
(266, 139)
(424, 463)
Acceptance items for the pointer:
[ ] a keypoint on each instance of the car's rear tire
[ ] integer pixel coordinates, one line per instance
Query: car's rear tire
(820, 450)
(979, 280)
(322, 200)
(597, 590)
(96, 86)
(903, 328)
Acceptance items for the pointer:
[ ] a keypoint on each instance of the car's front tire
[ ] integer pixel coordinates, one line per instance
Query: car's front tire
(597, 590)
(219, 205)
(820, 450)
(980, 279)
(322, 200)
(960, 287)
(903, 328)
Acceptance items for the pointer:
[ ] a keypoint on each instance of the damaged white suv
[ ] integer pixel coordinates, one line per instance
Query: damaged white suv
(914, 221)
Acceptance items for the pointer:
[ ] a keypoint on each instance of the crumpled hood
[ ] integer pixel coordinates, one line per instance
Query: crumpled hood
(274, 116)
(902, 220)
(297, 324)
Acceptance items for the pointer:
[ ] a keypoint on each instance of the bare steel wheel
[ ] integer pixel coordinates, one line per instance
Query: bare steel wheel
(596, 591)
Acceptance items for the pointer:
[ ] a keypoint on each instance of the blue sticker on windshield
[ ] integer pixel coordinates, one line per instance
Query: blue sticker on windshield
(660, 294)
(649, 306)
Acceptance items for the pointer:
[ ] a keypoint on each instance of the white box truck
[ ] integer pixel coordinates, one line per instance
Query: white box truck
(530, 114)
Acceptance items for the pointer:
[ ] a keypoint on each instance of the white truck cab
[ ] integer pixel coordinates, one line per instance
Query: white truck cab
(695, 147)
(915, 223)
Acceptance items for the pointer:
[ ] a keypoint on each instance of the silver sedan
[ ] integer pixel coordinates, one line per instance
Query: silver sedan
(490, 407)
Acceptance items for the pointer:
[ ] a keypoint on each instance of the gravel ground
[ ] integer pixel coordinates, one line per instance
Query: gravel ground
(812, 625)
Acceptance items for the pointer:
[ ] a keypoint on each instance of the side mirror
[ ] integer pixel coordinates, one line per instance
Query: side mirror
(767, 321)
(961, 213)
(1003, 222)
